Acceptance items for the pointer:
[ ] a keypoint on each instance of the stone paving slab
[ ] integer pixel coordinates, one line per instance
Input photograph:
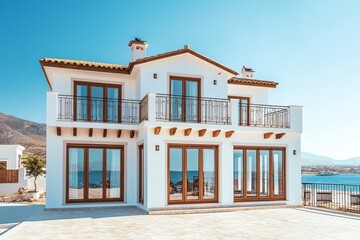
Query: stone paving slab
(133, 223)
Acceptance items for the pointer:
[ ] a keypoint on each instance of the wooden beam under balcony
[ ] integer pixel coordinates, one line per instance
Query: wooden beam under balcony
(119, 133)
(172, 131)
(58, 131)
(104, 133)
(229, 134)
(279, 135)
(268, 135)
(216, 133)
(132, 134)
(74, 132)
(90, 132)
(157, 130)
(202, 132)
(187, 131)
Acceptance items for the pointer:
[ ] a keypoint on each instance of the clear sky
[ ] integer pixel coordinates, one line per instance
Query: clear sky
(312, 48)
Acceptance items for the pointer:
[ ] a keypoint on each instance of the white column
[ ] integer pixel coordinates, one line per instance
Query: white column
(226, 193)
(296, 118)
(51, 108)
(152, 108)
(234, 113)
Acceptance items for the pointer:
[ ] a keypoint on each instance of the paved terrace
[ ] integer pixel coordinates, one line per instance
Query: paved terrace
(32, 222)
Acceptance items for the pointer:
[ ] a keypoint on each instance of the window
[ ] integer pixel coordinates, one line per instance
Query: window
(3, 165)
(259, 173)
(185, 99)
(244, 109)
(141, 174)
(94, 173)
(97, 102)
(192, 173)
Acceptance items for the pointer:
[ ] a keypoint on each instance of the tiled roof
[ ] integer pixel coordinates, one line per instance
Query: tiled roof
(252, 82)
(77, 64)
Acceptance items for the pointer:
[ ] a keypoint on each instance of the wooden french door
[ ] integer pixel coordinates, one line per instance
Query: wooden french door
(184, 99)
(244, 110)
(192, 174)
(141, 174)
(97, 102)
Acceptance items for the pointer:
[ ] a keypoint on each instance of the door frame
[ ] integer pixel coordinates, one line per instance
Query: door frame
(183, 96)
(184, 173)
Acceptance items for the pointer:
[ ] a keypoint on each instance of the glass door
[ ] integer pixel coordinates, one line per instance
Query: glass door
(81, 103)
(113, 104)
(184, 99)
(97, 103)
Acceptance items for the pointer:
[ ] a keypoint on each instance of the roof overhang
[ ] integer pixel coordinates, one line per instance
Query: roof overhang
(252, 82)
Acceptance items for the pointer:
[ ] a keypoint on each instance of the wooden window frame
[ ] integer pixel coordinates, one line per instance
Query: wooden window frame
(184, 147)
(240, 108)
(183, 101)
(271, 196)
(105, 86)
(86, 168)
(3, 165)
(141, 174)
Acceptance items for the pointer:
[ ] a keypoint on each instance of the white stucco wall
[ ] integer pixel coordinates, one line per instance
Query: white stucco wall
(10, 154)
(257, 95)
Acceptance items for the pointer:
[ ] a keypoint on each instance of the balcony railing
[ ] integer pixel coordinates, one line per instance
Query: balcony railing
(144, 108)
(340, 197)
(264, 116)
(94, 109)
(177, 108)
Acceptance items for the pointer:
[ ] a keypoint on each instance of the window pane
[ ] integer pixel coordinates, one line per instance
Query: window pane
(191, 101)
(176, 100)
(113, 173)
(141, 174)
(176, 179)
(97, 103)
(209, 176)
(238, 159)
(112, 104)
(95, 173)
(244, 111)
(192, 173)
(81, 102)
(264, 173)
(278, 172)
(251, 173)
(76, 173)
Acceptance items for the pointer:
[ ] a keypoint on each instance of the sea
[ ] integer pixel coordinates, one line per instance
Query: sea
(353, 179)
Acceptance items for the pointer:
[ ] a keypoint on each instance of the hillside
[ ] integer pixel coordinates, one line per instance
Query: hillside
(29, 134)
(313, 159)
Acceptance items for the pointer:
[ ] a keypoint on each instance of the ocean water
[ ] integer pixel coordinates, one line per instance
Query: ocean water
(353, 179)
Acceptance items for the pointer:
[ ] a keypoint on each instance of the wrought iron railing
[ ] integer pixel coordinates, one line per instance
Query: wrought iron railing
(110, 110)
(144, 109)
(177, 108)
(342, 197)
(264, 116)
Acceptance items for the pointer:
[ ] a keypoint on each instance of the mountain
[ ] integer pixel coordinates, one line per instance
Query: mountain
(313, 159)
(29, 134)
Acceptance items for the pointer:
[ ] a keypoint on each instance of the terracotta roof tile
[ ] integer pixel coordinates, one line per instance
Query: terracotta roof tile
(49, 61)
(252, 82)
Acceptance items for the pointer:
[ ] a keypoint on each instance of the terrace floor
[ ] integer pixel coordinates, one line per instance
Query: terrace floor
(32, 222)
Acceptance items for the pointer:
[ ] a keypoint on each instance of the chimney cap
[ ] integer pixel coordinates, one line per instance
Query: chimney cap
(137, 41)
(247, 69)
(186, 46)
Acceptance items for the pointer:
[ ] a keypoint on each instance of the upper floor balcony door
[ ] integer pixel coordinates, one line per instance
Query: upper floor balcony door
(97, 102)
(185, 99)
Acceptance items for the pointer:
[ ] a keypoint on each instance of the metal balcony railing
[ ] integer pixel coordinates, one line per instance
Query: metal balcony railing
(342, 197)
(271, 116)
(177, 108)
(109, 110)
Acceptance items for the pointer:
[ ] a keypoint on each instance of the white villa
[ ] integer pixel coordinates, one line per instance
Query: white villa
(167, 130)
(13, 174)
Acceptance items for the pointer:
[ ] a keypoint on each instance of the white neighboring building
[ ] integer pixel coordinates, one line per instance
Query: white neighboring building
(12, 174)
(167, 130)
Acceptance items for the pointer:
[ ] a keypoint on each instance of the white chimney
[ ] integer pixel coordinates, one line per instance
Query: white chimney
(138, 49)
(247, 72)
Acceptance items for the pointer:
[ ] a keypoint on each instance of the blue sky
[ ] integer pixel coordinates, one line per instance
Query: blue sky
(312, 48)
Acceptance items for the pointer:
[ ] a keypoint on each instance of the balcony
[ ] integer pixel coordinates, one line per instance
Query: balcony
(171, 108)
(192, 109)
(107, 110)
(268, 116)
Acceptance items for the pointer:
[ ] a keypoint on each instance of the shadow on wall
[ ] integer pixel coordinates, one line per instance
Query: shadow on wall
(17, 213)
